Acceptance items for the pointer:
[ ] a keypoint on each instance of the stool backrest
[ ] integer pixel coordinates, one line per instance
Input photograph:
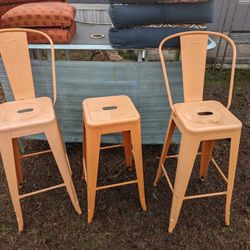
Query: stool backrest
(14, 50)
(193, 49)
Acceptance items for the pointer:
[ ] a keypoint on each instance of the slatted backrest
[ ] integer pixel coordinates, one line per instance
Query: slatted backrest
(15, 55)
(193, 54)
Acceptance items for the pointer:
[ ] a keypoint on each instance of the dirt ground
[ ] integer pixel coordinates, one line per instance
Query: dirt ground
(119, 222)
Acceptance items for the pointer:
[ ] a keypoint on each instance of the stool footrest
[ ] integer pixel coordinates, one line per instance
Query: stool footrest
(36, 153)
(117, 185)
(199, 195)
(199, 153)
(113, 146)
(167, 177)
(176, 156)
(41, 191)
(219, 169)
(190, 197)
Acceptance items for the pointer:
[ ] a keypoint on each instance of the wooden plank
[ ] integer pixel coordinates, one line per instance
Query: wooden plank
(247, 20)
(76, 80)
(240, 17)
(241, 38)
(225, 9)
(227, 13)
(218, 6)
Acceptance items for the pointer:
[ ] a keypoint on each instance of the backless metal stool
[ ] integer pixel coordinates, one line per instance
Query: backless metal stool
(106, 115)
(28, 115)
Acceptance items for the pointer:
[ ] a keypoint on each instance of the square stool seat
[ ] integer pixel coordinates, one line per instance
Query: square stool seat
(26, 113)
(206, 116)
(109, 110)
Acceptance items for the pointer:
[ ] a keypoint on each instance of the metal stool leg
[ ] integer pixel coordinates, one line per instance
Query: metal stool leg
(84, 154)
(127, 149)
(207, 150)
(8, 157)
(18, 163)
(165, 149)
(188, 151)
(56, 144)
(234, 148)
(93, 140)
(137, 150)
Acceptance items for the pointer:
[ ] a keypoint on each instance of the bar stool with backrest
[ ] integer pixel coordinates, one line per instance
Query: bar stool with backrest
(28, 115)
(106, 115)
(198, 121)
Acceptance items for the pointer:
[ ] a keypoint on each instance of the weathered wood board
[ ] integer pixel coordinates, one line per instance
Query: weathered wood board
(77, 80)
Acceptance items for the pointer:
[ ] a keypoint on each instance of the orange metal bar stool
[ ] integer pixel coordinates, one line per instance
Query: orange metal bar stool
(107, 115)
(28, 115)
(198, 121)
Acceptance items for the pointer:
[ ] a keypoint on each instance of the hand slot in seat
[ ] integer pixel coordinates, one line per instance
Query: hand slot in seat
(205, 113)
(21, 111)
(109, 108)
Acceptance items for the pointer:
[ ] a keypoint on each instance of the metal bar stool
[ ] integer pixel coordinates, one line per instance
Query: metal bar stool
(107, 115)
(28, 115)
(198, 121)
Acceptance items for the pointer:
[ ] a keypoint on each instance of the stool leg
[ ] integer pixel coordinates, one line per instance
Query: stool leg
(206, 154)
(93, 140)
(18, 163)
(137, 151)
(127, 149)
(8, 157)
(68, 164)
(187, 154)
(165, 149)
(84, 159)
(56, 144)
(234, 148)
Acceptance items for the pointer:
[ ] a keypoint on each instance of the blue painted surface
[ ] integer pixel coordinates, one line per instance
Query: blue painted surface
(143, 82)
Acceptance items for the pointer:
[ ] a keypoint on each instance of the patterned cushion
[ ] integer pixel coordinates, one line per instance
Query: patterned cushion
(57, 35)
(146, 37)
(3, 9)
(45, 14)
(26, 1)
(6, 7)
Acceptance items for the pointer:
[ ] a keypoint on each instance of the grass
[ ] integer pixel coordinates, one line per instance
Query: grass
(119, 222)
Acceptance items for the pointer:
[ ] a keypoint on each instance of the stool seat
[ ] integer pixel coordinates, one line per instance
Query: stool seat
(109, 110)
(206, 116)
(26, 113)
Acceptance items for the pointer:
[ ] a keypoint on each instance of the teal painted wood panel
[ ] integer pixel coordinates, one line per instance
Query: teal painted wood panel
(77, 80)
